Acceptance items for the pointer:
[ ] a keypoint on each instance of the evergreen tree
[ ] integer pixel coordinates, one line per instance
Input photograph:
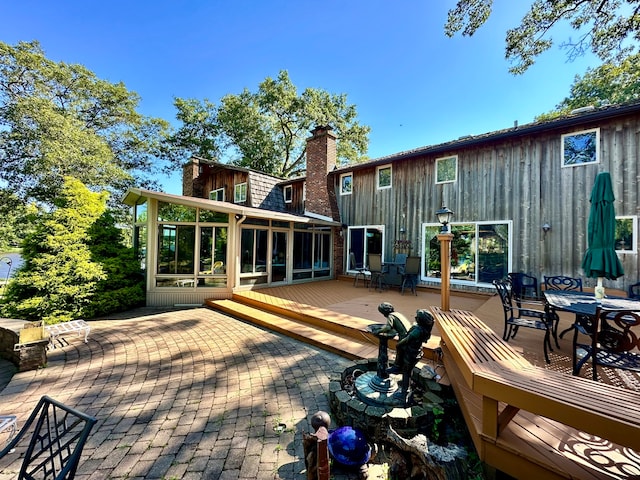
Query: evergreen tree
(58, 278)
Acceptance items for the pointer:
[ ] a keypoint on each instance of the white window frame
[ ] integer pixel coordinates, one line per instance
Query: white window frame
(634, 234)
(215, 193)
(287, 192)
(378, 170)
(455, 174)
(240, 193)
(344, 176)
(565, 138)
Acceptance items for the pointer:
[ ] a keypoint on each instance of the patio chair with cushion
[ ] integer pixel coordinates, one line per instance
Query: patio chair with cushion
(57, 434)
(634, 291)
(524, 314)
(610, 339)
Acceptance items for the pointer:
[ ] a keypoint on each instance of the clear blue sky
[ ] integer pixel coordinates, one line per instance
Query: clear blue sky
(411, 84)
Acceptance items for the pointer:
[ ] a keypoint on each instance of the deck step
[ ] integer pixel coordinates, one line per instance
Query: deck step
(329, 340)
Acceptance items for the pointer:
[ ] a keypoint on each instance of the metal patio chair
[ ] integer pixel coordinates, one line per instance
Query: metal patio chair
(57, 434)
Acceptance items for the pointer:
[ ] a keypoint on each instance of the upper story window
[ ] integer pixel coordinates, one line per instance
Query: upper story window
(217, 194)
(447, 169)
(383, 177)
(288, 194)
(580, 148)
(240, 193)
(346, 183)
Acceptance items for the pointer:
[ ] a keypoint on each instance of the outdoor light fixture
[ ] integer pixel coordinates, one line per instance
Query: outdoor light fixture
(546, 227)
(444, 217)
(403, 230)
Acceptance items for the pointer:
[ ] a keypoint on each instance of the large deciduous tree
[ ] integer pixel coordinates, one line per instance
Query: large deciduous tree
(266, 129)
(59, 120)
(610, 83)
(609, 28)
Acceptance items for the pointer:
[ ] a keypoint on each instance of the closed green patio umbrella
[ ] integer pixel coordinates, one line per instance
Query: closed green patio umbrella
(600, 260)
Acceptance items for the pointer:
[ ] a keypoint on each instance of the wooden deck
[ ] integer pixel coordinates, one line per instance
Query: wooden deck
(334, 315)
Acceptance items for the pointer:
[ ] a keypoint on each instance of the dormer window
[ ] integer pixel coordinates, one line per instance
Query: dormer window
(346, 183)
(217, 194)
(288, 194)
(240, 193)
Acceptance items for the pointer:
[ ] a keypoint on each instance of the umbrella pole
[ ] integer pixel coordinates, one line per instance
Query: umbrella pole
(599, 290)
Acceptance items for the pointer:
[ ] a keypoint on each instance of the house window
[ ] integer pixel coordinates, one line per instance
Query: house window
(190, 252)
(346, 183)
(364, 240)
(480, 252)
(626, 234)
(253, 244)
(447, 169)
(240, 193)
(288, 193)
(383, 177)
(580, 148)
(311, 253)
(217, 194)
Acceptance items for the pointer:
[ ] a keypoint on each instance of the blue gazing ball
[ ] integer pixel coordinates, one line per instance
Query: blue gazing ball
(349, 446)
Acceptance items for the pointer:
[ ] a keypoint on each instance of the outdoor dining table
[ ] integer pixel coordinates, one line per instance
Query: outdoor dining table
(584, 303)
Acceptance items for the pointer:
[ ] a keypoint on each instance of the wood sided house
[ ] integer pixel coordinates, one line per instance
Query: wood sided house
(520, 197)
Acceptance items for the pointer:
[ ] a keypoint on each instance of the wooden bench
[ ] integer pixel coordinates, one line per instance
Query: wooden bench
(531, 422)
(59, 330)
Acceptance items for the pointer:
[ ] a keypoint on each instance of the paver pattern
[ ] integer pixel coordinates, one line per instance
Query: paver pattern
(183, 394)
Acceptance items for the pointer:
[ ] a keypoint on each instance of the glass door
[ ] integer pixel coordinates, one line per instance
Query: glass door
(279, 257)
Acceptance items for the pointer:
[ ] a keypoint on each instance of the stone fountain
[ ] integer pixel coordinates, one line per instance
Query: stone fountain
(396, 405)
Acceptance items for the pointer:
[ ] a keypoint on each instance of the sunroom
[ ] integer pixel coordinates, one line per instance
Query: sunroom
(194, 249)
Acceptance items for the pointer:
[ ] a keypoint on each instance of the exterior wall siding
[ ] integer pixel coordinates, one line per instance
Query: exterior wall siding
(518, 179)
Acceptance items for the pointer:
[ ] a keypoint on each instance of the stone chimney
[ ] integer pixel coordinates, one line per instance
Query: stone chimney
(321, 159)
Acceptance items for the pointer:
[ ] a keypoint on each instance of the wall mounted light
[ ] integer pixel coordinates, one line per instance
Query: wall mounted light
(444, 217)
(545, 228)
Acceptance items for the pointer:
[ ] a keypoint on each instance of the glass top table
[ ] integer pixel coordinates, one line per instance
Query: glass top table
(584, 303)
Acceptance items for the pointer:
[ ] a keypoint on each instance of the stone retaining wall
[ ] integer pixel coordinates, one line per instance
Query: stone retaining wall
(29, 357)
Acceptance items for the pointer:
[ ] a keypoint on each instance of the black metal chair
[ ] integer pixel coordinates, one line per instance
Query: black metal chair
(524, 314)
(525, 287)
(561, 282)
(610, 341)
(377, 271)
(57, 436)
(634, 291)
(411, 273)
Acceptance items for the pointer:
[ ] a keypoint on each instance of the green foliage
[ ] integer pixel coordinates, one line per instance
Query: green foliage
(609, 28)
(123, 286)
(58, 278)
(266, 130)
(59, 120)
(615, 83)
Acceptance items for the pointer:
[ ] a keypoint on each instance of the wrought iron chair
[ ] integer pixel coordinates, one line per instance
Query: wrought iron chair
(57, 436)
(525, 287)
(634, 291)
(411, 272)
(361, 271)
(377, 271)
(524, 314)
(561, 282)
(610, 341)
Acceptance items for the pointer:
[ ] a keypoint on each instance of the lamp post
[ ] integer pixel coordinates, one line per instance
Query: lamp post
(444, 217)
